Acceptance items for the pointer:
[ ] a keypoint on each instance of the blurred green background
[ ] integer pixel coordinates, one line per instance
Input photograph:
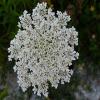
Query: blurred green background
(85, 16)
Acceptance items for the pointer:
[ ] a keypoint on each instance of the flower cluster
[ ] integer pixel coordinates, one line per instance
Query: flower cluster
(43, 49)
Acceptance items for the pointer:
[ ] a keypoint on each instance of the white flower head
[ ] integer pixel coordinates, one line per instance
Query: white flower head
(43, 49)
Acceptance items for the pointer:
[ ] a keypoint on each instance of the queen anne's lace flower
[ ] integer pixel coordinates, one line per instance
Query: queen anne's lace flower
(43, 49)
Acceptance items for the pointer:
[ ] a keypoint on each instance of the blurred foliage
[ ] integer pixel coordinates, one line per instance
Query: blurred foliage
(3, 93)
(9, 12)
(85, 16)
